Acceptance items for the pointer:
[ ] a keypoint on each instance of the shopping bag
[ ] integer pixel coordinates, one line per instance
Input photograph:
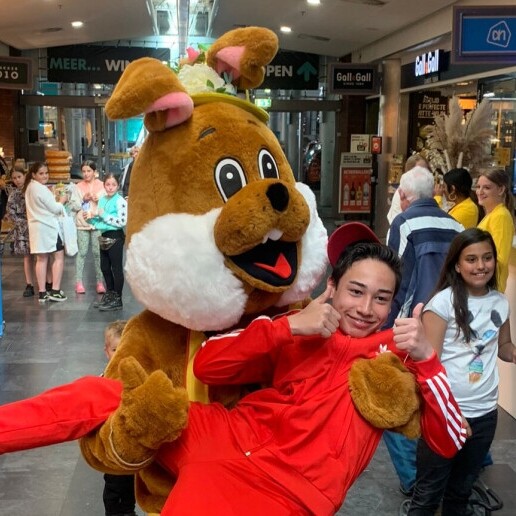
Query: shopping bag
(69, 234)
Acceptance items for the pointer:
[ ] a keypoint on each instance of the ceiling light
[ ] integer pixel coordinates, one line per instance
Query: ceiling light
(77, 24)
(285, 29)
(313, 2)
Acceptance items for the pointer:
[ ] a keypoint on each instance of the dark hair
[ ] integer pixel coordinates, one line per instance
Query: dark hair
(89, 163)
(451, 278)
(460, 179)
(33, 169)
(111, 176)
(362, 251)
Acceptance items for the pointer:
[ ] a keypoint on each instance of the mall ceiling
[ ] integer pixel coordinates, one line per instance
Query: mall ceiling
(335, 27)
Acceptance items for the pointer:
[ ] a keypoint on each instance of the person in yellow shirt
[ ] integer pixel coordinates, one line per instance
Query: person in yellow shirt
(495, 197)
(457, 191)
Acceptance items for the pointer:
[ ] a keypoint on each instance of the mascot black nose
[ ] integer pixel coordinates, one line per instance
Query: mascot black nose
(278, 196)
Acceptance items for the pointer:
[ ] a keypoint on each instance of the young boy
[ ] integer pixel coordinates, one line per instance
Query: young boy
(118, 495)
(297, 446)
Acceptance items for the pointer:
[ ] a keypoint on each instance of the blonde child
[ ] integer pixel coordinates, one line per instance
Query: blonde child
(17, 214)
(118, 495)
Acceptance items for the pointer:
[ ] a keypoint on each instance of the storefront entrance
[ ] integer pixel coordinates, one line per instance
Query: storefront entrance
(77, 125)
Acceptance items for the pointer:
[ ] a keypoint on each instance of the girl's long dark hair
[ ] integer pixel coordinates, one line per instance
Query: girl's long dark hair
(451, 278)
(33, 169)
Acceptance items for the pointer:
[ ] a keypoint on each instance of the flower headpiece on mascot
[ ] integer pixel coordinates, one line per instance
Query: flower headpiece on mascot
(218, 232)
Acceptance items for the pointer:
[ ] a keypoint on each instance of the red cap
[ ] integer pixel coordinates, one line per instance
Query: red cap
(348, 234)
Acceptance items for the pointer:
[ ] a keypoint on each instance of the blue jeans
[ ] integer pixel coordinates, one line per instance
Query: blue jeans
(403, 456)
(451, 479)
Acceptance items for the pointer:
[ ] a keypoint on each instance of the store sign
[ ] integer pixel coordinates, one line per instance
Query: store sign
(360, 143)
(15, 73)
(427, 63)
(355, 182)
(95, 64)
(484, 34)
(292, 71)
(352, 79)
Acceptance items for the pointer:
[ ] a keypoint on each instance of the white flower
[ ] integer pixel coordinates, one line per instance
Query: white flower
(200, 78)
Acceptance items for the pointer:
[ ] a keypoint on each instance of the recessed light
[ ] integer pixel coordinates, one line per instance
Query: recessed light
(285, 29)
(77, 24)
(313, 2)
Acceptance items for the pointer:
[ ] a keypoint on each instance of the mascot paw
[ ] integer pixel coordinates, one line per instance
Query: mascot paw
(152, 411)
(386, 394)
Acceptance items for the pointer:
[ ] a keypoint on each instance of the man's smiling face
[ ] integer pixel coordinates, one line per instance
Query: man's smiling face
(363, 297)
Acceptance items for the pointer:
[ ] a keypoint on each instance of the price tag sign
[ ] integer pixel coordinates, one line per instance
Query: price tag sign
(15, 73)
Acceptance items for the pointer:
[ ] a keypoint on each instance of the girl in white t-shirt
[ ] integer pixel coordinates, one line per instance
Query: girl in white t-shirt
(467, 322)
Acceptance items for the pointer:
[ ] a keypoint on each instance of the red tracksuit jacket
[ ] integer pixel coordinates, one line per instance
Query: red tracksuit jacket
(304, 430)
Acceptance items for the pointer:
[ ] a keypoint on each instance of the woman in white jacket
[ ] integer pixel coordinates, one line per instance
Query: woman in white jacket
(44, 238)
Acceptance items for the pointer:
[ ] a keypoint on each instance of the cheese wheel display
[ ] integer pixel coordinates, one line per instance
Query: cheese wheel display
(51, 153)
(63, 178)
(59, 162)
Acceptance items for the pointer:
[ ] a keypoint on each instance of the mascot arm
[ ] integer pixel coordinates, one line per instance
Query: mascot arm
(372, 383)
(140, 424)
(152, 412)
(243, 356)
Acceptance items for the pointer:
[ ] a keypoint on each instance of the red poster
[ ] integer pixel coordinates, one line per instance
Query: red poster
(355, 190)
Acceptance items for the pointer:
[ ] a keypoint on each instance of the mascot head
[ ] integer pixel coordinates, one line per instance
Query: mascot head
(218, 226)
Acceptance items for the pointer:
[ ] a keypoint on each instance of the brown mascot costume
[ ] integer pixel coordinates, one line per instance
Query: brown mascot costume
(218, 233)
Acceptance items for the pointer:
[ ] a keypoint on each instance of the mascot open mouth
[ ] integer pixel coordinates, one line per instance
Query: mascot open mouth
(273, 262)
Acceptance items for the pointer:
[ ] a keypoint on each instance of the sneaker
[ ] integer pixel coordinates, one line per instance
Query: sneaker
(114, 304)
(48, 287)
(43, 297)
(101, 289)
(29, 291)
(104, 299)
(79, 288)
(57, 295)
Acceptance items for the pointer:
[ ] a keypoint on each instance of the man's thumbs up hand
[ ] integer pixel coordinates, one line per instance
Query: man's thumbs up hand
(409, 335)
(318, 318)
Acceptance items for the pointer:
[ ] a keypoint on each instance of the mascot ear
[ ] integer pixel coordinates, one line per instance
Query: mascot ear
(372, 384)
(243, 53)
(148, 86)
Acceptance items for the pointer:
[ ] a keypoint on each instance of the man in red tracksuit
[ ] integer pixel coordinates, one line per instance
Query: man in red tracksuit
(297, 446)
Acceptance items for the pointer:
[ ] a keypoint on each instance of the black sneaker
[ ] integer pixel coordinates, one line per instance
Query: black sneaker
(48, 287)
(106, 298)
(43, 297)
(57, 295)
(29, 291)
(114, 304)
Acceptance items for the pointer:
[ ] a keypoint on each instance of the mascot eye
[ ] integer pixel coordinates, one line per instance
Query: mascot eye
(267, 165)
(230, 177)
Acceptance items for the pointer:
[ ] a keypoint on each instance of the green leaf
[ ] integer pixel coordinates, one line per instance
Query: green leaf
(210, 84)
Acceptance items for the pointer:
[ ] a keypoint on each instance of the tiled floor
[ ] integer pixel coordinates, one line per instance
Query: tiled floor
(48, 345)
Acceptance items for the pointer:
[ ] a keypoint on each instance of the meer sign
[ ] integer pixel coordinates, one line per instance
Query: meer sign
(352, 79)
(15, 73)
(95, 64)
(484, 34)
